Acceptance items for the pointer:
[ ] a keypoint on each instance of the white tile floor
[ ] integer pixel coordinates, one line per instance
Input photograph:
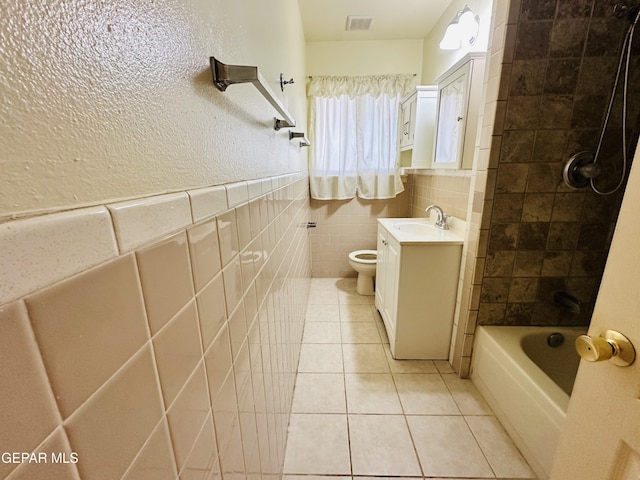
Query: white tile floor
(358, 412)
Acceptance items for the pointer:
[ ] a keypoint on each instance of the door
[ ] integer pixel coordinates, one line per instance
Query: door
(601, 436)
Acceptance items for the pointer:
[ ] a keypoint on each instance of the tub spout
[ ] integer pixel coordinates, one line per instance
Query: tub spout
(567, 301)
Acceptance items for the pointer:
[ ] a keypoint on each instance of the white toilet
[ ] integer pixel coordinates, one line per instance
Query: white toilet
(364, 262)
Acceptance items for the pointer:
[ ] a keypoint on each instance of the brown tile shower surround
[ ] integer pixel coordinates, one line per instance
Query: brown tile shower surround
(173, 358)
(540, 236)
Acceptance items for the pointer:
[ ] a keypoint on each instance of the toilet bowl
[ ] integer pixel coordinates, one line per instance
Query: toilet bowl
(364, 262)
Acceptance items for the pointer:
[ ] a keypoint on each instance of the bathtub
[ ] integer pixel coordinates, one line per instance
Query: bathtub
(527, 384)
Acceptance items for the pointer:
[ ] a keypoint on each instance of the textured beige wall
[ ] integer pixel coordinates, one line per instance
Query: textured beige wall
(152, 357)
(364, 57)
(108, 100)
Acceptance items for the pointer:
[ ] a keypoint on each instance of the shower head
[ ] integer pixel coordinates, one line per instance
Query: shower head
(621, 11)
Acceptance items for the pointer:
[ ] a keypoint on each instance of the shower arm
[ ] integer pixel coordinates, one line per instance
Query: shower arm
(225, 75)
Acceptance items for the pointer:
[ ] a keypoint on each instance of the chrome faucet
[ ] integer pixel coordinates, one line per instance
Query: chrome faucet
(441, 221)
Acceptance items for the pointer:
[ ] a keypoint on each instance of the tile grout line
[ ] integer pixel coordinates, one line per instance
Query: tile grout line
(479, 447)
(388, 361)
(344, 383)
(406, 421)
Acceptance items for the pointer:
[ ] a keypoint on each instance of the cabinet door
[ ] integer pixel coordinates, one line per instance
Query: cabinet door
(412, 120)
(390, 281)
(381, 271)
(408, 116)
(424, 127)
(453, 95)
(404, 128)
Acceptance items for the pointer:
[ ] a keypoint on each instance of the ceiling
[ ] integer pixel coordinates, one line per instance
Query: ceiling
(325, 20)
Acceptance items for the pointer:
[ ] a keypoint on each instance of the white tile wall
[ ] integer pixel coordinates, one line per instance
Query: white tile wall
(149, 413)
(501, 46)
(347, 225)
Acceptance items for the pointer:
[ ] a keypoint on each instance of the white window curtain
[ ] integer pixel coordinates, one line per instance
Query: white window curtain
(354, 132)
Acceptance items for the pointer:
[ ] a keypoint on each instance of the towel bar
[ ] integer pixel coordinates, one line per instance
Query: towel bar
(225, 75)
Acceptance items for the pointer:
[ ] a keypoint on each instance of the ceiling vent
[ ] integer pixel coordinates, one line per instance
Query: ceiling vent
(358, 23)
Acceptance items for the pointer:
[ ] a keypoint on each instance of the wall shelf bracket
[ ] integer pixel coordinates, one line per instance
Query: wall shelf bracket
(304, 141)
(225, 75)
(278, 124)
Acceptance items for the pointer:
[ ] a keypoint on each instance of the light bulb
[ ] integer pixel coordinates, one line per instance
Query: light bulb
(468, 26)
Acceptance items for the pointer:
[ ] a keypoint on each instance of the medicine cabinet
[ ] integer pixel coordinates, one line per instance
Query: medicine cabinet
(418, 121)
(407, 121)
(459, 97)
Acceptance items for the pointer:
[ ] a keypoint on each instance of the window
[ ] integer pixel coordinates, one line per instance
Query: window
(354, 126)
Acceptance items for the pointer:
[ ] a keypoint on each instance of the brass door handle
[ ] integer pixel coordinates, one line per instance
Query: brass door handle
(610, 345)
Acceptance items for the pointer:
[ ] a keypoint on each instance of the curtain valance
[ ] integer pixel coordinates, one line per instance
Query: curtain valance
(374, 85)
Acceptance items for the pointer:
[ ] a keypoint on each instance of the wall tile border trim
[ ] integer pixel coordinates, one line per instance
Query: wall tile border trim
(39, 251)
(206, 202)
(139, 221)
(237, 193)
(36, 252)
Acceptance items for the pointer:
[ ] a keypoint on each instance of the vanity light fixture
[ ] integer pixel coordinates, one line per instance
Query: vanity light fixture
(463, 28)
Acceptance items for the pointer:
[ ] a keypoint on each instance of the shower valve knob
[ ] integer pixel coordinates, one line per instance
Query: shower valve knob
(610, 345)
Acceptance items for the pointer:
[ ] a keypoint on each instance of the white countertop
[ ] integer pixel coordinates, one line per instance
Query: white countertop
(429, 233)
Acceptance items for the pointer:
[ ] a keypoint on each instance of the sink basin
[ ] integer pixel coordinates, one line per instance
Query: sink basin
(415, 228)
(421, 230)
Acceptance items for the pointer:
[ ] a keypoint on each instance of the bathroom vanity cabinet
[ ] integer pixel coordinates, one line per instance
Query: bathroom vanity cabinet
(416, 285)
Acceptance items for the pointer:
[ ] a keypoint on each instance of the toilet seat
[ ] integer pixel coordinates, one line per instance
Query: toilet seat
(360, 256)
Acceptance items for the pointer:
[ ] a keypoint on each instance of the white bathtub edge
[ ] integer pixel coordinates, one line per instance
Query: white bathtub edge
(503, 418)
(532, 417)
